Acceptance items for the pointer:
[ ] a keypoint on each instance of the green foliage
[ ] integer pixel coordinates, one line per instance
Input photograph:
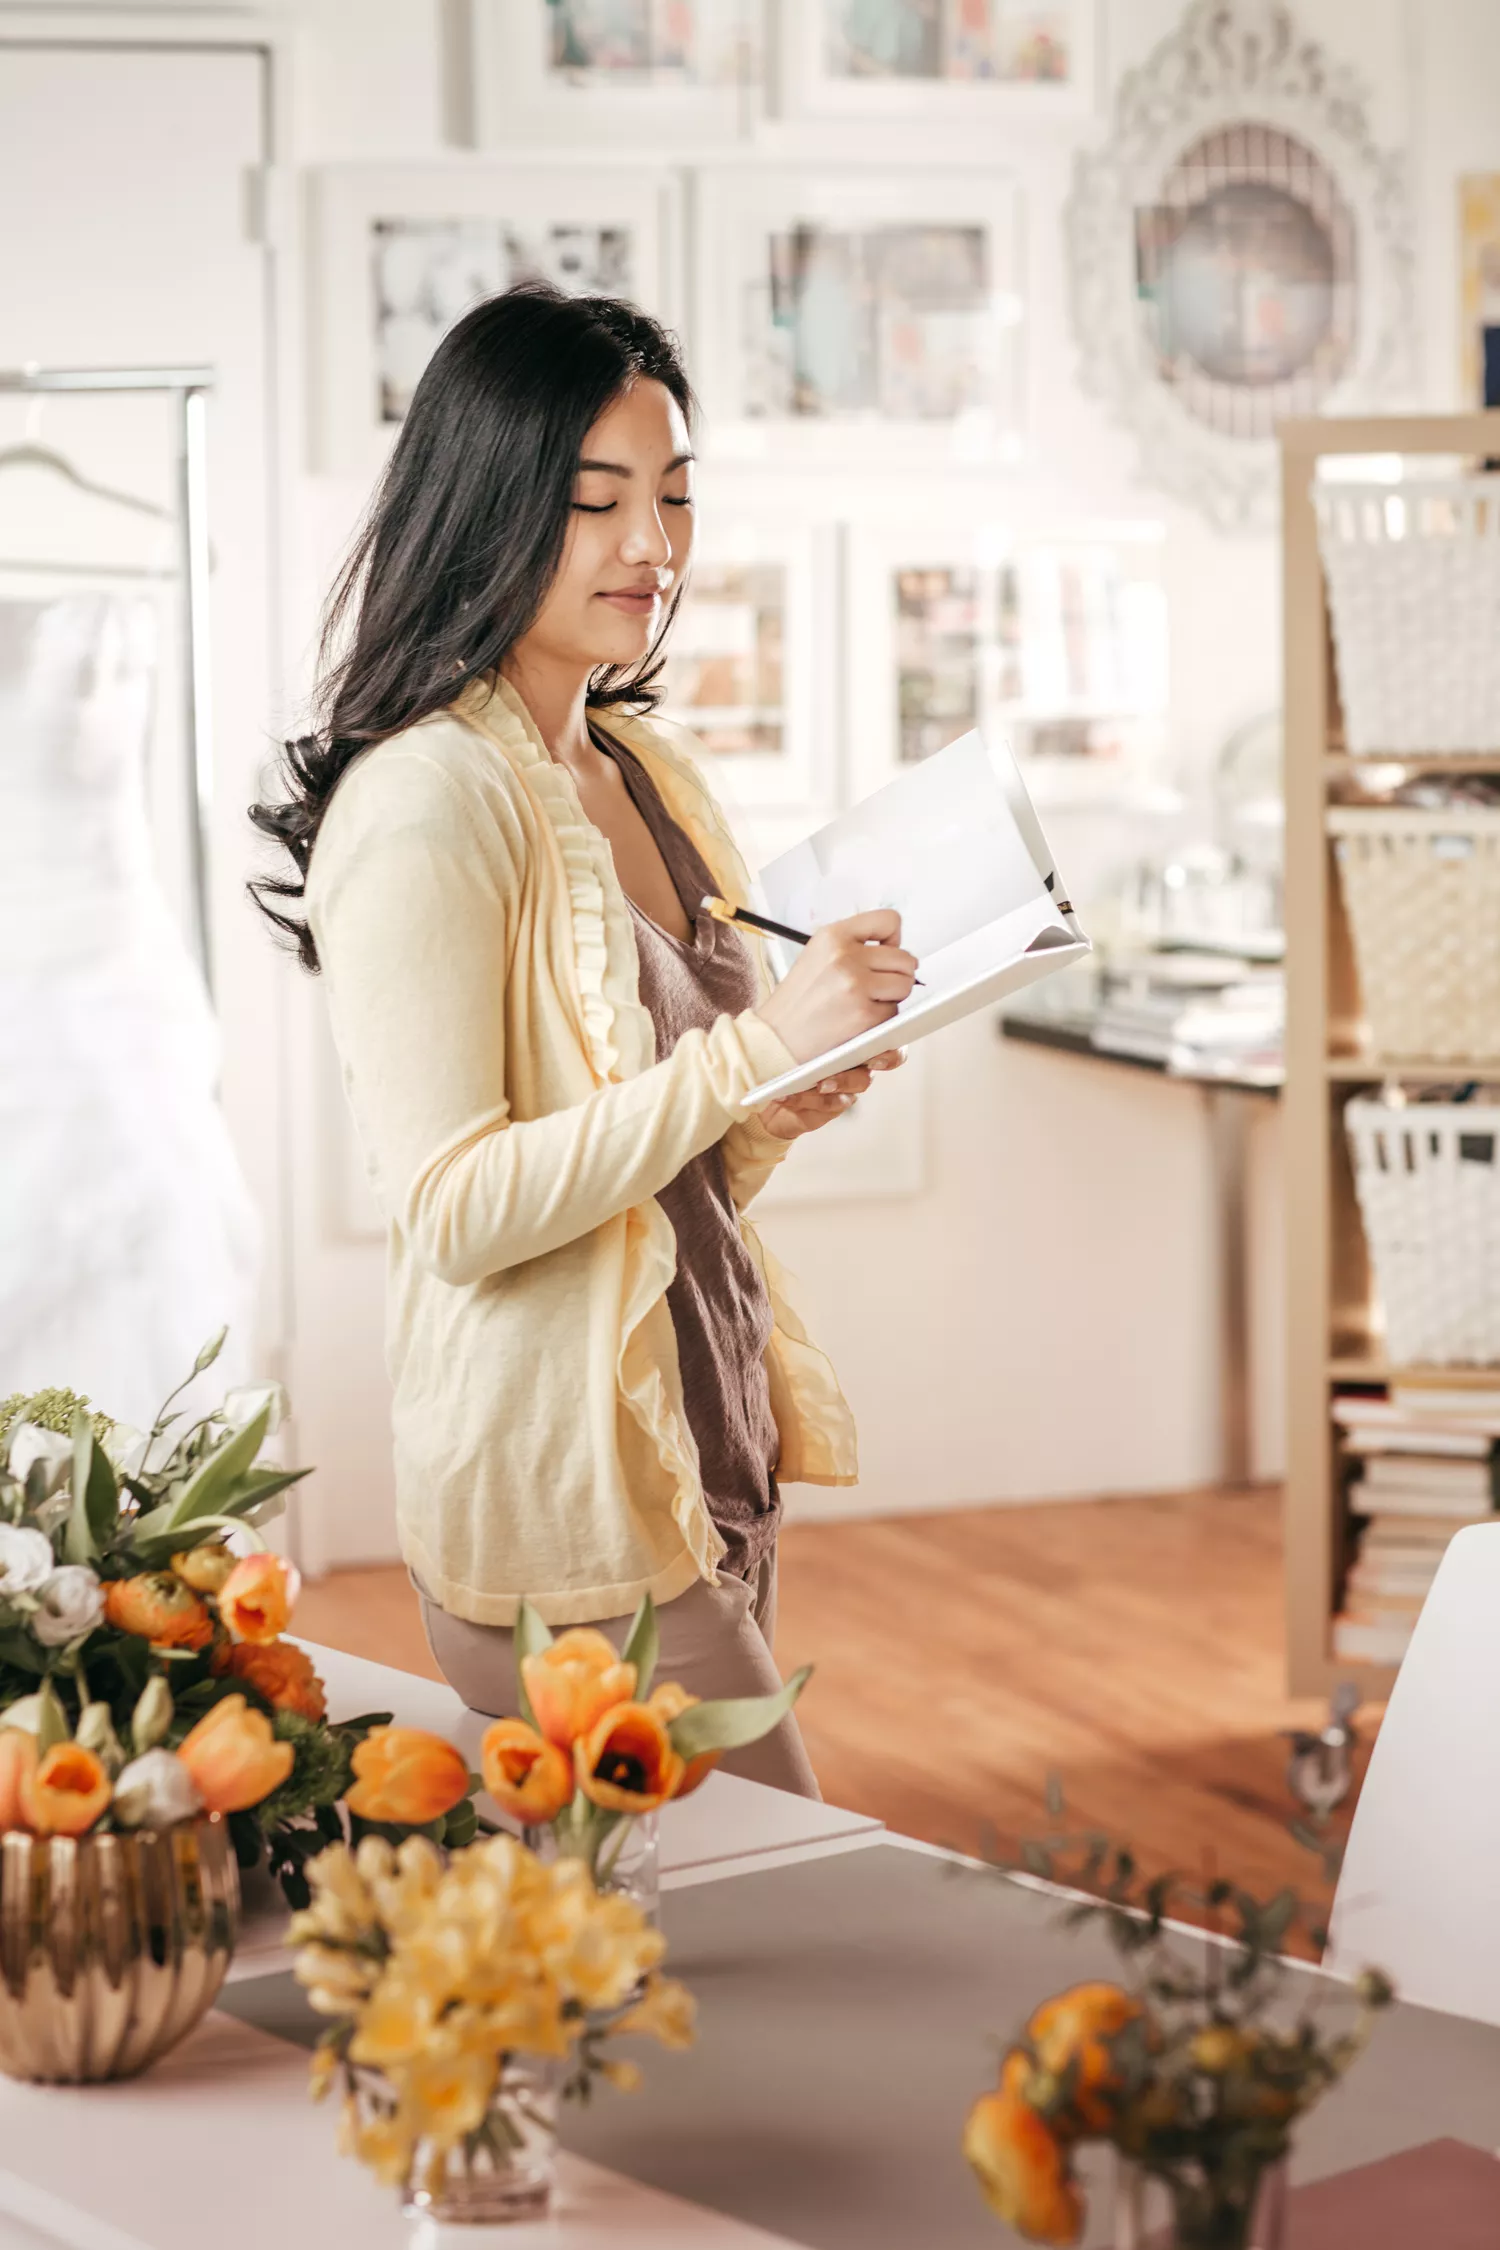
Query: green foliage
(730, 1724)
(642, 1646)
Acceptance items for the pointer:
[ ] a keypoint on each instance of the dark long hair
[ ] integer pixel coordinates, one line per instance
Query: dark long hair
(462, 542)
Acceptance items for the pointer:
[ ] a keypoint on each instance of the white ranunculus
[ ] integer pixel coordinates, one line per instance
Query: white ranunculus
(241, 1407)
(30, 1443)
(70, 1603)
(154, 1790)
(26, 1560)
(125, 1449)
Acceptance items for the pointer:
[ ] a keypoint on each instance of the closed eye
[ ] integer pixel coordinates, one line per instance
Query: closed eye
(589, 508)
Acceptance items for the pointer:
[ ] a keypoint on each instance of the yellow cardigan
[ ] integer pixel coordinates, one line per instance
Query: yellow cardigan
(482, 979)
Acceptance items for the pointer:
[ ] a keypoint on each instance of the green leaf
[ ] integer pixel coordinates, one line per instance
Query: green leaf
(21, 1650)
(739, 1720)
(643, 1647)
(52, 1719)
(220, 1475)
(96, 1496)
(531, 1635)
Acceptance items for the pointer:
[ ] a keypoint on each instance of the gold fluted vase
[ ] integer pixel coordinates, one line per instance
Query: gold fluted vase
(111, 1947)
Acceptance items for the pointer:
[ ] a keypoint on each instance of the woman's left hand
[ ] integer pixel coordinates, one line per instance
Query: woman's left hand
(804, 1113)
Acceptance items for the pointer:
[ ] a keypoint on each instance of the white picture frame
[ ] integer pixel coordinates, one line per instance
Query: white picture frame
(708, 88)
(752, 652)
(1054, 635)
(821, 332)
(398, 251)
(942, 70)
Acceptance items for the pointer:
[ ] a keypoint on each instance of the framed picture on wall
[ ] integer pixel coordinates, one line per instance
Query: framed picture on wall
(613, 69)
(837, 309)
(1057, 639)
(1479, 286)
(401, 252)
(941, 58)
(751, 669)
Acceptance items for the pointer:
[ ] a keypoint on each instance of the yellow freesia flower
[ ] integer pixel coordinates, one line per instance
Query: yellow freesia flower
(666, 2010)
(444, 2096)
(396, 2023)
(336, 1981)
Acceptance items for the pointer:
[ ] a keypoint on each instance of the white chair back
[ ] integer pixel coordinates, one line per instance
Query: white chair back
(1419, 1895)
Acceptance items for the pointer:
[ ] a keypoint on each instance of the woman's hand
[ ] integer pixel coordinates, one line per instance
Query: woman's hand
(849, 977)
(804, 1113)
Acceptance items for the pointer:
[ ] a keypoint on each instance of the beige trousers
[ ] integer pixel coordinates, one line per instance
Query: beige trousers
(715, 1640)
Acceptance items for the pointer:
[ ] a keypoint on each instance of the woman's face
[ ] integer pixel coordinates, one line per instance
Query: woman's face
(631, 536)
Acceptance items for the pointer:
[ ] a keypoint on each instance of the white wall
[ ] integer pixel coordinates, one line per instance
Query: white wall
(1042, 1320)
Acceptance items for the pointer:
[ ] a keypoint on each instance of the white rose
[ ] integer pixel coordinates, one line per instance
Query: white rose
(70, 1603)
(26, 1560)
(30, 1443)
(155, 1790)
(241, 1407)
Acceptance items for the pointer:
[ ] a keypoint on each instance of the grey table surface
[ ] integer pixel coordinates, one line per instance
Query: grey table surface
(849, 2009)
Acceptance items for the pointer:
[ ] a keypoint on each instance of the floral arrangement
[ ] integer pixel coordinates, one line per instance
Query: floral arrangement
(1196, 2071)
(144, 1678)
(442, 1977)
(597, 1745)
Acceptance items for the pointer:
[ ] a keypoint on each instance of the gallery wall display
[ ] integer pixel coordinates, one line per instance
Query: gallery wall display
(752, 664)
(613, 69)
(1239, 253)
(1479, 287)
(841, 311)
(402, 252)
(940, 58)
(1057, 640)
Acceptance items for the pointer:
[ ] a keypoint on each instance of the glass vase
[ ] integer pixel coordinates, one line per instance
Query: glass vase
(504, 2171)
(625, 1858)
(1200, 2208)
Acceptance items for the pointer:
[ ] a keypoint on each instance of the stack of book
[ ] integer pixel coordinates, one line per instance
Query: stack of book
(1200, 1015)
(1427, 1462)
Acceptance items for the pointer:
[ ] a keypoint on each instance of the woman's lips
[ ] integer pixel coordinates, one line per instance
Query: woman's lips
(634, 601)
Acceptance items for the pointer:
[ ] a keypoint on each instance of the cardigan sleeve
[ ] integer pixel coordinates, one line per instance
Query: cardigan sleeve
(412, 905)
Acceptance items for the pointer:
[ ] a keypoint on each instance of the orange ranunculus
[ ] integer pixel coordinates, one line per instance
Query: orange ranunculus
(669, 1701)
(571, 1684)
(234, 1757)
(160, 1609)
(255, 1600)
(528, 1776)
(1070, 2036)
(407, 1776)
(64, 1792)
(1021, 2165)
(17, 1760)
(205, 1568)
(628, 1764)
(278, 1670)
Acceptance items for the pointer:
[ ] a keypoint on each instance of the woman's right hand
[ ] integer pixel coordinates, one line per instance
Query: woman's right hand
(849, 977)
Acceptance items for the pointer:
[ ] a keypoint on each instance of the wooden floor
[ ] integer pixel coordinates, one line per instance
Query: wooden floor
(1132, 1647)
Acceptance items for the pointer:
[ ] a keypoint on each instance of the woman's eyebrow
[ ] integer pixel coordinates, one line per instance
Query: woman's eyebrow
(618, 468)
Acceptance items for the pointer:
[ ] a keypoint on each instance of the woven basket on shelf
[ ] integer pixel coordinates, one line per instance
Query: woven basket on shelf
(1428, 1179)
(1423, 894)
(1413, 575)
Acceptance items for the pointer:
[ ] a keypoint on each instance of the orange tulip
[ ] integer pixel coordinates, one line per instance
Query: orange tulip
(278, 1670)
(628, 1764)
(234, 1757)
(1070, 2034)
(65, 1792)
(406, 1776)
(255, 1600)
(1021, 2165)
(17, 1760)
(573, 1683)
(204, 1568)
(527, 1775)
(669, 1701)
(159, 1608)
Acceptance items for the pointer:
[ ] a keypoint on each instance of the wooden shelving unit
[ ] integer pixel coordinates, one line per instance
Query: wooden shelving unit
(1330, 1337)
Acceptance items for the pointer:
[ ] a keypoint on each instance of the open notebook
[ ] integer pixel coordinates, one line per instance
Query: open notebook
(956, 848)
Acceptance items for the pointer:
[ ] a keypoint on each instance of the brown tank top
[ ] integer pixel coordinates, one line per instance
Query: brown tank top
(720, 1311)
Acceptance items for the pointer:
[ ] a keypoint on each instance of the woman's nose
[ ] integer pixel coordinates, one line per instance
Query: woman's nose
(646, 541)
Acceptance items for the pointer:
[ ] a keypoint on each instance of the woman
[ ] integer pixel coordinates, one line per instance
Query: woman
(546, 1045)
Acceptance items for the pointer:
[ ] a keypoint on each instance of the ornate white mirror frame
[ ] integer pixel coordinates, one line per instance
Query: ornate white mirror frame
(1236, 64)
